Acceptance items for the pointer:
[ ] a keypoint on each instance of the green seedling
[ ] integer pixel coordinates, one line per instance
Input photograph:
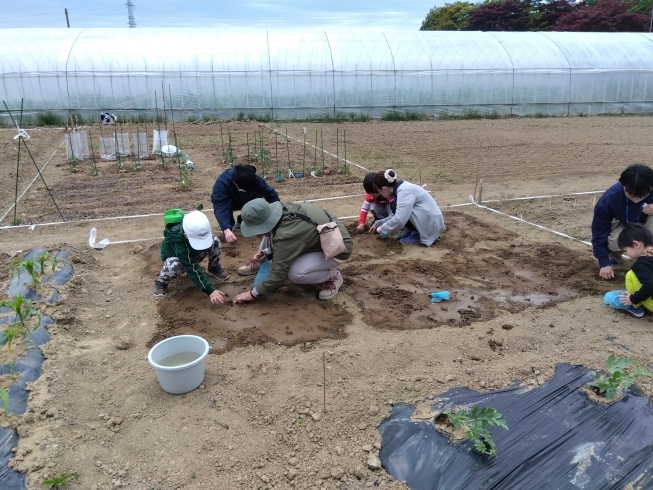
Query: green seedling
(299, 421)
(30, 266)
(228, 153)
(477, 424)
(12, 332)
(344, 169)
(22, 308)
(616, 378)
(183, 181)
(61, 480)
(44, 257)
(4, 398)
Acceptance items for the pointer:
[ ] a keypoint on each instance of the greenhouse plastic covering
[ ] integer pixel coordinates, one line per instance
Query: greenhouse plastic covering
(284, 74)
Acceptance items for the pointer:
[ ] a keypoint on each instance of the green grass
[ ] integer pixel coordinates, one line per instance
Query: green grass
(405, 116)
(48, 119)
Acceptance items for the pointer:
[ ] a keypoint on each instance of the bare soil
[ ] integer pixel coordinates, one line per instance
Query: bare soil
(523, 299)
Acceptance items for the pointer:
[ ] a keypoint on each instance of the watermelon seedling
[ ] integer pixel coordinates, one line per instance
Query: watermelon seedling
(477, 424)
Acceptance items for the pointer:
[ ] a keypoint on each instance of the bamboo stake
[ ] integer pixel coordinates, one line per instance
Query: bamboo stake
(288, 149)
(337, 148)
(33, 161)
(315, 155)
(221, 140)
(158, 125)
(18, 162)
(322, 140)
(324, 379)
(247, 147)
(344, 138)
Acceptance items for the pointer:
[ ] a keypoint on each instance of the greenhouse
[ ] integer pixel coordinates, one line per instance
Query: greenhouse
(284, 74)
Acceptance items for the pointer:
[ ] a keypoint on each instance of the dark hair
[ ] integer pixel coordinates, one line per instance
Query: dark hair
(635, 232)
(245, 177)
(384, 179)
(368, 182)
(637, 179)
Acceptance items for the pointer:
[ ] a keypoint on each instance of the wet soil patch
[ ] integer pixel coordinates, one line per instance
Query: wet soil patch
(394, 294)
(292, 316)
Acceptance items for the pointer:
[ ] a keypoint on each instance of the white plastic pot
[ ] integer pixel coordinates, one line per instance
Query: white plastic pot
(183, 378)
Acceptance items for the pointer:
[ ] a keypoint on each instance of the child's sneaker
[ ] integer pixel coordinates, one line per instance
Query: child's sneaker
(218, 273)
(332, 286)
(160, 289)
(411, 239)
(250, 268)
(636, 312)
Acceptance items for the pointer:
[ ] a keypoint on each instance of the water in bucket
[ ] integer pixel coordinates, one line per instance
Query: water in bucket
(179, 359)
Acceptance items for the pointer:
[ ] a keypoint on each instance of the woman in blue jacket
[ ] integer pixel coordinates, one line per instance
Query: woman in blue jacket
(628, 201)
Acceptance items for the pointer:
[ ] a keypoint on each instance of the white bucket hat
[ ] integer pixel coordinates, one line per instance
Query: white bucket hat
(198, 230)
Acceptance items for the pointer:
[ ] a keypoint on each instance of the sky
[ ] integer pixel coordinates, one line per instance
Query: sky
(294, 14)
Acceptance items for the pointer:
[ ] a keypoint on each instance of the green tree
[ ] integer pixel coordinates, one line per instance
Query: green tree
(449, 17)
(643, 6)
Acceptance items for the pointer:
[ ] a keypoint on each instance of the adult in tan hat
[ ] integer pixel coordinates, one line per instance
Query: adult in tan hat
(294, 245)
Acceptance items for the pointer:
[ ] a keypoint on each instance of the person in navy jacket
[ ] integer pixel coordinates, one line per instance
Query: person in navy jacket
(628, 201)
(234, 188)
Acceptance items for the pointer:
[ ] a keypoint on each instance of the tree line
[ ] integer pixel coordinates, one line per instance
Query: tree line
(536, 15)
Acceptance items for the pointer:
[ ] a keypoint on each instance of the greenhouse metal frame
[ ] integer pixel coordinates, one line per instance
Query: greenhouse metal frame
(291, 74)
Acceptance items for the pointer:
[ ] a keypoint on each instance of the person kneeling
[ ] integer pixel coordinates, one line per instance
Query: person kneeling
(636, 240)
(185, 244)
(295, 247)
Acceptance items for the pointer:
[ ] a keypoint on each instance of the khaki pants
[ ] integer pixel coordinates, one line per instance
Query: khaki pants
(617, 228)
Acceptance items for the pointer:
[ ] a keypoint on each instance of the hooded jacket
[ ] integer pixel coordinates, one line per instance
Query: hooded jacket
(227, 198)
(175, 244)
(613, 204)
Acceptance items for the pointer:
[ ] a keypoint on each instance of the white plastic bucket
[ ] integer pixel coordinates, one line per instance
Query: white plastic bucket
(183, 378)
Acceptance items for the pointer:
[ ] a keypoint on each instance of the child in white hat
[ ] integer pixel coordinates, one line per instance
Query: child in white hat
(185, 244)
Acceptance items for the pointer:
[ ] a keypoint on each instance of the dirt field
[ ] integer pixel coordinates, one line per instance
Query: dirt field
(523, 299)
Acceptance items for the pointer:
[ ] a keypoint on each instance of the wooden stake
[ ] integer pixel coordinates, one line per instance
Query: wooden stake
(324, 379)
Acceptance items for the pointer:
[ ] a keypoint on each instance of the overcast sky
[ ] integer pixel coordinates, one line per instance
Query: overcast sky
(369, 14)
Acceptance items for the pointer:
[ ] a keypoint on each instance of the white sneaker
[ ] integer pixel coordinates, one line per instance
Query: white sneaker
(332, 286)
(250, 268)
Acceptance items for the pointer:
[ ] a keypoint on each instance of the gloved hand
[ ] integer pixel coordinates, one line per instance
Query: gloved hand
(384, 235)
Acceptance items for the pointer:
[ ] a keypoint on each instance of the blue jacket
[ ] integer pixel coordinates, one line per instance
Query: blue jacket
(227, 198)
(613, 204)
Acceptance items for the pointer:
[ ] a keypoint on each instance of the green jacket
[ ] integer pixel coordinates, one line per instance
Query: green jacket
(175, 244)
(293, 237)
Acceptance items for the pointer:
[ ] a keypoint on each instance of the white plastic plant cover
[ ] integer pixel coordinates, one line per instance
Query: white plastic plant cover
(140, 145)
(76, 146)
(123, 144)
(108, 148)
(159, 139)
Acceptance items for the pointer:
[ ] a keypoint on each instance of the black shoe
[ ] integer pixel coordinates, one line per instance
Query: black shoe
(160, 289)
(219, 274)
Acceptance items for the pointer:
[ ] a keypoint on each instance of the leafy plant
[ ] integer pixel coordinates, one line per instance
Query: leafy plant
(44, 257)
(262, 156)
(344, 169)
(61, 480)
(22, 308)
(10, 333)
(616, 377)
(477, 424)
(228, 153)
(4, 398)
(184, 183)
(30, 266)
